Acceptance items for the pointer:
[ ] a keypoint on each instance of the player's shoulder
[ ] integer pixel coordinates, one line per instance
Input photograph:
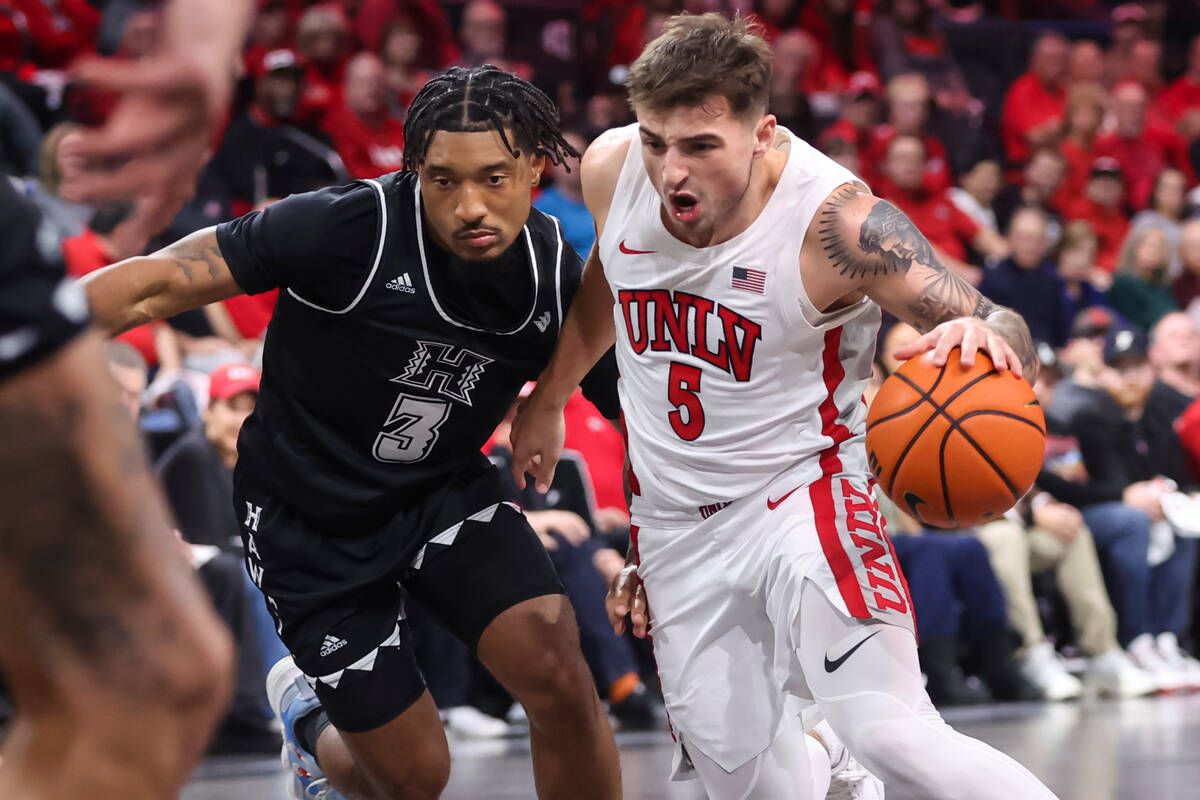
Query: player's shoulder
(600, 167)
(550, 243)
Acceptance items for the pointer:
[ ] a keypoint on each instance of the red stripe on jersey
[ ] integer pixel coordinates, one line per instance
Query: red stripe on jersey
(834, 373)
(633, 534)
(634, 486)
(821, 495)
(896, 561)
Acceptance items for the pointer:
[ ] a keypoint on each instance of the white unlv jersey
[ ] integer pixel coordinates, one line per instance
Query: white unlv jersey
(729, 375)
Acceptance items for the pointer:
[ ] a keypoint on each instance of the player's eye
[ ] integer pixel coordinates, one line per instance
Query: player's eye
(656, 147)
(443, 182)
(495, 180)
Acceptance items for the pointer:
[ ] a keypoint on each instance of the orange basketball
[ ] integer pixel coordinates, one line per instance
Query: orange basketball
(955, 446)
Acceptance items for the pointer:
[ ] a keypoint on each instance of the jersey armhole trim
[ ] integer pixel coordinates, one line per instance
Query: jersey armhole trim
(558, 256)
(374, 266)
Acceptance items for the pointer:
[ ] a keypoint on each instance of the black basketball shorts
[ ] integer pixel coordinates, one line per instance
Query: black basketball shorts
(337, 596)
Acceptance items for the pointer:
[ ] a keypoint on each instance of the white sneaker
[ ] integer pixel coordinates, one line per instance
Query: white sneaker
(849, 780)
(1184, 664)
(468, 722)
(1113, 674)
(1144, 652)
(1041, 666)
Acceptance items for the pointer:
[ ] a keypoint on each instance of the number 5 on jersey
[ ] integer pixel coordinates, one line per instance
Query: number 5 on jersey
(683, 391)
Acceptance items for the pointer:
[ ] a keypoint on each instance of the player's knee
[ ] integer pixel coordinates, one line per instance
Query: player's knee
(420, 776)
(558, 686)
(198, 679)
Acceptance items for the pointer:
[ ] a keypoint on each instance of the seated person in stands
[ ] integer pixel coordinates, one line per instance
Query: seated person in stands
(562, 519)
(1042, 534)
(246, 727)
(1121, 501)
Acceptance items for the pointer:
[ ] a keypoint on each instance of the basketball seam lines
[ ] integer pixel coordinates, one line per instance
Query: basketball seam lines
(917, 435)
(928, 396)
(956, 425)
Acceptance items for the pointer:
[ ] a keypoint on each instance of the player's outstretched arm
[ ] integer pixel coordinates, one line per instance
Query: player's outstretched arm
(187, 274)
(868, 246)
(587, 333)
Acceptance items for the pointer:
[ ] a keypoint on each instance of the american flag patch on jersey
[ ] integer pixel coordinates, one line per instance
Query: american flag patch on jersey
(748, 280)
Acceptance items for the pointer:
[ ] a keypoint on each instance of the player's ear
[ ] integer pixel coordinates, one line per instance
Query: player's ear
(764, 135)
(537, 165)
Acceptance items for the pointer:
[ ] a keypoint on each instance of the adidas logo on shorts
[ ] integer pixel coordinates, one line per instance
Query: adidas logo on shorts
(402, 283)
(331, 645)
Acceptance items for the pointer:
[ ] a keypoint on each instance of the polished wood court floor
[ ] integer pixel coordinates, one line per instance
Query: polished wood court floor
(1145, 749)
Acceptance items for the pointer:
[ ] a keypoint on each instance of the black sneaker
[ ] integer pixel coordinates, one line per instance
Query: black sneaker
(636, 712)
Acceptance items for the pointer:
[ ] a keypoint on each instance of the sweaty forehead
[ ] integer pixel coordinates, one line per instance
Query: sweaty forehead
(713, 117)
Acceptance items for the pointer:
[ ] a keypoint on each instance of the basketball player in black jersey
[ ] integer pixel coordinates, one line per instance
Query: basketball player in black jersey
(412, 310)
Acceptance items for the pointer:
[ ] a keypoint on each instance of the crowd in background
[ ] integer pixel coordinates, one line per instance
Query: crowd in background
(1049, 150)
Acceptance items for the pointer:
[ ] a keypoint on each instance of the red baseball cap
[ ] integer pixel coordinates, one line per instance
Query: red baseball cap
(863, 82)
(231, 379)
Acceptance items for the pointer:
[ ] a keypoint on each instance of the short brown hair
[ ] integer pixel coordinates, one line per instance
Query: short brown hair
(703, 56)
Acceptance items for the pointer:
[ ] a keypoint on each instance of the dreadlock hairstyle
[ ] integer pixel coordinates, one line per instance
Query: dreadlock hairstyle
(479, 99)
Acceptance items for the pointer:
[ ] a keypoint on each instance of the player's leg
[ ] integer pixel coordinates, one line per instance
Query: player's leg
(118, 667)
(520, 624)
(795, 767)
(875, 701)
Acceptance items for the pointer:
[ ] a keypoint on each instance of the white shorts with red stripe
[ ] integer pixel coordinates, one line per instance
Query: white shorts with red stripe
(724, 598)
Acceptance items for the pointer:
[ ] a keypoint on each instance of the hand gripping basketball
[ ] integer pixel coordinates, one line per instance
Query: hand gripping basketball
(626, 596)
(972, 335)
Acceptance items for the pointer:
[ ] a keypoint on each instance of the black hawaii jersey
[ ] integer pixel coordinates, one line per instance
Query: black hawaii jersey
(374, 390)
(40, 310)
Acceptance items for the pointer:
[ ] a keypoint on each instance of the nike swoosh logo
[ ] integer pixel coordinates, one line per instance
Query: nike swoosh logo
(774, 504)
(912, 500)
(830, 666)
(631, 252)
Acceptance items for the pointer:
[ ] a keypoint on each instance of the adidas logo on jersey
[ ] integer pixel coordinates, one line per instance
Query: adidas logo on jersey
(402, 283)
(542, 322)
(331, 645)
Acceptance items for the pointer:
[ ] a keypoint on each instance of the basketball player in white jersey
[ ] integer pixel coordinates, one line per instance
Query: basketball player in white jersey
(741, 275)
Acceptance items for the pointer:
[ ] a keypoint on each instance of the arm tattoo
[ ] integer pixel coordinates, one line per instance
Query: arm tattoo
(193, 251)
(887, 240)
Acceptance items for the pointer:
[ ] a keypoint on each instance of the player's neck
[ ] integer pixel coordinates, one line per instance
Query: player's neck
(764, 179)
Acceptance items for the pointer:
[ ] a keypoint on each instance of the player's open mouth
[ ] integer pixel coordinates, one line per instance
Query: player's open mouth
(685, 207)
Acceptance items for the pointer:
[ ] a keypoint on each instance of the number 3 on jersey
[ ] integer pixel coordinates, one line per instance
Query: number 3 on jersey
(683, 391)
(411, 429)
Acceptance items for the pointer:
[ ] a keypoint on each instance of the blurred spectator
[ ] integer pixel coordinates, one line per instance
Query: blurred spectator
(1100, 207)
(1179, 103)
(266, 153)
(48, 35)
(796, 92)
(367, 138)
(1140, 290)
(426, 19)
(408, 61)
(1042, 178)
(1128, 27)
(483, 35)
(775, 16)
(20, 135)
(65, 217)
(904, 39)
(908, 113)
(1145, 68)
(841, 26)
(1166, 210)
(860, 115)
(564, 200)
(1186, 287)
(323, 41)
(1142, 147)
(1084, 115)
(842, 151)
(1076, 270)
(1087, 63)
(979, 187)
(949, 230)
(273, 28)
(197, 470)
(1042, 534)
(1175, 356)
(603, 450)
(1026, 281)
(1034, 105)
(1084, 357)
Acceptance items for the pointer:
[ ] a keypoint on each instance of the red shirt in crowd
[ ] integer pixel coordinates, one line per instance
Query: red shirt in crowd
(937, 170)
(861, 139)
(84, 254)
(1143, 157)
(1181, 96)
(47, 37)
(367, 152)
(944, 225)
(1109, 224)
(1078, 169)
(1027, 106)
(593, 437)
(251, 312)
